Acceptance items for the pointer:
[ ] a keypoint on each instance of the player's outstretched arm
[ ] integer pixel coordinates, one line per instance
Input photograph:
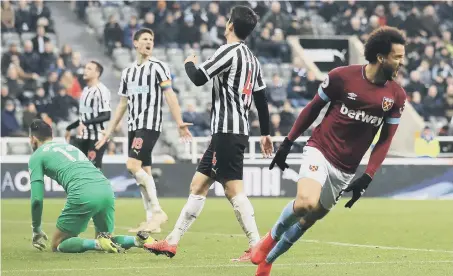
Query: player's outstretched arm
(195, 75)
(260, 99)
(119, 113)
(175, 109)
(303, 122)
(37, 198)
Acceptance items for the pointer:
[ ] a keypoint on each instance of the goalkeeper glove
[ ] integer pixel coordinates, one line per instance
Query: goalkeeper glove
(281, 154)
(357, 187)
(38, 240)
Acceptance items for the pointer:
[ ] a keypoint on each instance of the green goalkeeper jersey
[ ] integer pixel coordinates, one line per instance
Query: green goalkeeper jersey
(69, 167)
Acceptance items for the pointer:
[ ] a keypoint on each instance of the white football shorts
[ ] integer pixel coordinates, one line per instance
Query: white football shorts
(315, 166)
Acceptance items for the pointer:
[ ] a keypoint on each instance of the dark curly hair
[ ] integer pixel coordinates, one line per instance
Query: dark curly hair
(380, 42)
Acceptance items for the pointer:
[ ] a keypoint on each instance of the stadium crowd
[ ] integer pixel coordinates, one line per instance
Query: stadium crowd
(40, 80)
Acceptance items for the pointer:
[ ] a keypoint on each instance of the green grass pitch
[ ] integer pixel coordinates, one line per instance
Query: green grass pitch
(375, 237)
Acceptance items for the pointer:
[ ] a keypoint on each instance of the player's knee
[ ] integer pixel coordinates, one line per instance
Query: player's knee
(304, 204)
(197, 188)
(133, 166)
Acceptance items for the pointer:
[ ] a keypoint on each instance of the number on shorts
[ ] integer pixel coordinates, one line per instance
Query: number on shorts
(137, 143)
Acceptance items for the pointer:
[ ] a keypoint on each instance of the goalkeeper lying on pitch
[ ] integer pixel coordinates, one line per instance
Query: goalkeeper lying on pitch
(89, 193)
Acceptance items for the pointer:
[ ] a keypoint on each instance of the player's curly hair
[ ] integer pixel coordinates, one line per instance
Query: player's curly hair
(380, 42)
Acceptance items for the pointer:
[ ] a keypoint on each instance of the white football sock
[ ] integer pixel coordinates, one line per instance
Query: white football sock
(146, 203)
(147, 181)
(189, 213)
(245, 214)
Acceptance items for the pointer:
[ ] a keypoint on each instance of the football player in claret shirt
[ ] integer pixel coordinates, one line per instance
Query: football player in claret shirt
(362, 99)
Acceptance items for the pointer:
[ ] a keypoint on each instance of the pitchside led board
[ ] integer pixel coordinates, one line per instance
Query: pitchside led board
(326, 53)
(394, 181)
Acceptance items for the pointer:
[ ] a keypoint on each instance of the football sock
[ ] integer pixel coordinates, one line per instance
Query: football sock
(286, 220)
(147, 181)
(245, 214)
(78, 245)
(126, 242)
(146, 203)
(189, 213)
(287, 240)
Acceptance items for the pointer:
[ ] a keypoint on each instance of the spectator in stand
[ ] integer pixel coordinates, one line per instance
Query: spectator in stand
(205, 120)
(275, 125)
(40, 40)
(29, 79)
(14, 83)
(41, 101)
(218, 31)
(425, 72)
(6, 58)
(30, 59)
(415, 84)
(47, 58)
(113, 34)
(76, 67)
(24, 21)
(449, 102)
(190, 34)
(10, 125)
(396, 16)
(129, 31)
(277, 91)
(38, 10)
(150, 22)
(380, 12)
(66, 53)
(192, 116)
(264, 46)
(433, 104)
(212, 14)
(51, 86)
(8, 16)
(161, 12)
(287, 118)
(168, 32)
(427, 145)
(373, 25)
(282, 48)
(63, 108)
(5, 96)
(71, 84)
(312, 84)
(279, 18)
(44, 22)
(417, 103)
(298, 95)
(58, 66)
(430, 21)
(28, 116)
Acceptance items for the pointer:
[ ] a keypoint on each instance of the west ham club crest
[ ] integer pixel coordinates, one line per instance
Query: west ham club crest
(387, 104)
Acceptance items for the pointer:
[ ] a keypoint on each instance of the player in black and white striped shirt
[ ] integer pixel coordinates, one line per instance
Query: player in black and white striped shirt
(237, 78)
(94, 112)
(143, 87)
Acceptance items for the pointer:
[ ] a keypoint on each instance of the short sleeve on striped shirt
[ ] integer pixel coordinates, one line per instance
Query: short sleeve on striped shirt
(122, 91)
(103, 95)
(219, 62)
(259, 83)
(163, 74)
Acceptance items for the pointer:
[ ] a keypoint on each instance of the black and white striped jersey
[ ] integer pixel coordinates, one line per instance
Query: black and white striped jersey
(141, 84)
(94, 100)
(236, 74)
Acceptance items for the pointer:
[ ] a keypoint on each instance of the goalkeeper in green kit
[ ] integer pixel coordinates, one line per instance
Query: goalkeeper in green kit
(89, 196)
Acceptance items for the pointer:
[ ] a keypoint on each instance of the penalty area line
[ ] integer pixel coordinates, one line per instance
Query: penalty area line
(221, 266)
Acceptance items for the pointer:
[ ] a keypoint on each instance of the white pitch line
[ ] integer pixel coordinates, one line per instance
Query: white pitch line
(222, 265)
(382, 247)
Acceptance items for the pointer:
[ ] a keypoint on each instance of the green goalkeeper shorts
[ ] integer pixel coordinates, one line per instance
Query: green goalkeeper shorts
(97, 203)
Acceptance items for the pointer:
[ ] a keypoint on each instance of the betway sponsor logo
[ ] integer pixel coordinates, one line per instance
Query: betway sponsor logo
(360, 115)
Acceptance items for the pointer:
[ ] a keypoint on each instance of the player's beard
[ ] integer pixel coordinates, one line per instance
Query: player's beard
(388, 71)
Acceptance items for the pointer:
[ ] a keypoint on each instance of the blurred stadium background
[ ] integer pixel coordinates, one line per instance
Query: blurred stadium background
(46, 44)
